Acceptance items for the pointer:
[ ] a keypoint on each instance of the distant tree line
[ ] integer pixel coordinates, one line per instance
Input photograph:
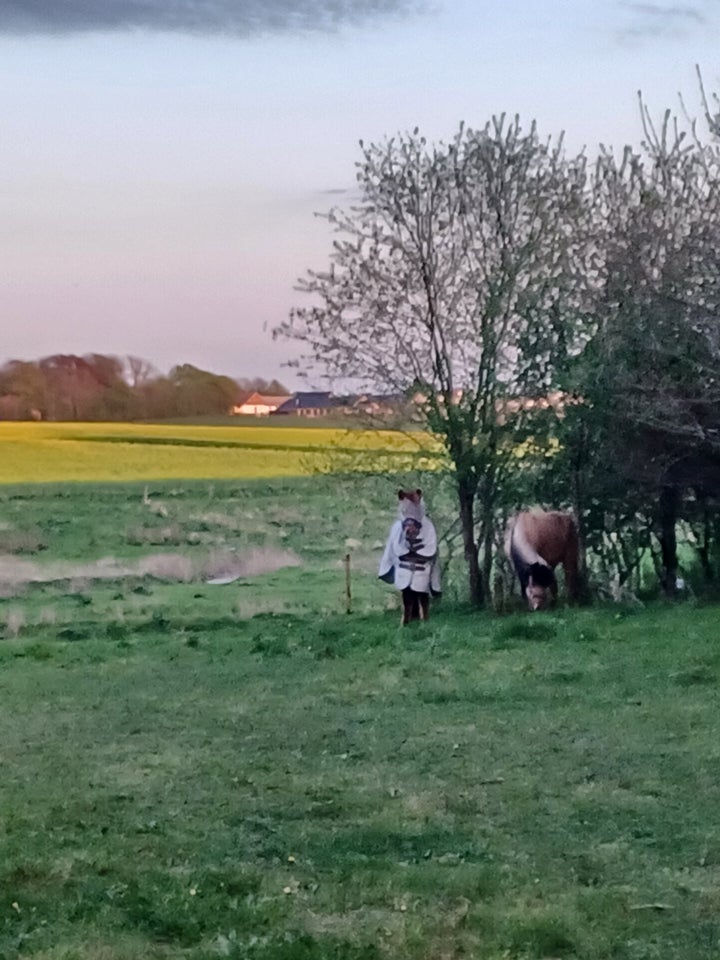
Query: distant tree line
(100, 387)
(497, 267)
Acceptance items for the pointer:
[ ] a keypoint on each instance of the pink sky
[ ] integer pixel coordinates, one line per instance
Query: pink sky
(158, 189)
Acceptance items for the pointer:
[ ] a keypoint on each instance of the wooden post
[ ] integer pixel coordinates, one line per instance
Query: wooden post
(348, 594)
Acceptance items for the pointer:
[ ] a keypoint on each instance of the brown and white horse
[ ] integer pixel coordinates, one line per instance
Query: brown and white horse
(536, 541)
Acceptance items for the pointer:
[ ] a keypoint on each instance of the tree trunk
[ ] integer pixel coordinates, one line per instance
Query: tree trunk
(486, 541)
(466, 499)
(704, 546)
(668, 538)
(582, 579)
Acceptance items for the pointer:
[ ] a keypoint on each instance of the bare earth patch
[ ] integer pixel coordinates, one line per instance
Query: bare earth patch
(163, 566)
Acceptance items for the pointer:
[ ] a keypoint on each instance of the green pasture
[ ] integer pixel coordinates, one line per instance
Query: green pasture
(194, 770)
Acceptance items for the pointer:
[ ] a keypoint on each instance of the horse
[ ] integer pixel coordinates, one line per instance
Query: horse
(536, 541)
(410, 557)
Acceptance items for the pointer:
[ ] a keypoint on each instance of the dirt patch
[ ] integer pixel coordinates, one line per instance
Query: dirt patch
(248, 563)
(163, 566)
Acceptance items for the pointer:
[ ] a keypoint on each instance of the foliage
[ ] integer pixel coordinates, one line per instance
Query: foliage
(101, 387)
(200, 392)
(454, 279)
(268, 388)
(641, 454)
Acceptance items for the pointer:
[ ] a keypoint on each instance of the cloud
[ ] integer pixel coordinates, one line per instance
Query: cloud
(655, 19)
(237, 17)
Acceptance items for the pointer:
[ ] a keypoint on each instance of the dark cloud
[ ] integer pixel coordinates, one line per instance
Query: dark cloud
(239, 17)
(656, 19)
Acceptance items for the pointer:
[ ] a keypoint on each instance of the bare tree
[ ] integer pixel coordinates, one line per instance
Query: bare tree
(460, 277)
(139, 371)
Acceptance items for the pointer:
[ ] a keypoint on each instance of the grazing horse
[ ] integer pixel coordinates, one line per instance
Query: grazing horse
(410, 558)
(535, 543)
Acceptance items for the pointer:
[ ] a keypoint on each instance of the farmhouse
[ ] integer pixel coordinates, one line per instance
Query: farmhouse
(508, 407)
(372, 405)
(258, 405)
(555, 400)
(306, 405)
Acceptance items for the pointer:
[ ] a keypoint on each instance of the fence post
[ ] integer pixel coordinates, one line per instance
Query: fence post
(348, 593)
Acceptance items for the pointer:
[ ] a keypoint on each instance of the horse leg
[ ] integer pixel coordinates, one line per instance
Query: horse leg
(407, 611)
(524, 579)
(415, 605)
(424, 601)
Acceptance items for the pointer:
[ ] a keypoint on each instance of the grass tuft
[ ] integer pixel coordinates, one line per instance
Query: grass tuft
(542, 937)
(535, 628)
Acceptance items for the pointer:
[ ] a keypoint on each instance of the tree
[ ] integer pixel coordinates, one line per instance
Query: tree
(460, 276)
(271, 388)
(139, 371)
(73, 386)
(643, 451)
(199, 392)
(24, 387)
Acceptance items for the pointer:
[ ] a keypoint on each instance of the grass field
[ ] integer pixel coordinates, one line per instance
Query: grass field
(337, 788)
(247, 771)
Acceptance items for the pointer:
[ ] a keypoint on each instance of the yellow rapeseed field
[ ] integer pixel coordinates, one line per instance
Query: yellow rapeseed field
(99, 452)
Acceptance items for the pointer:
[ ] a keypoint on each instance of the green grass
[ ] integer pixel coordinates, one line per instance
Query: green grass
(184, 779)
(337, 787)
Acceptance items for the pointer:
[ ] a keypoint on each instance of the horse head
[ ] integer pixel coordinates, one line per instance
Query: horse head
(410, 505)
(540, 579)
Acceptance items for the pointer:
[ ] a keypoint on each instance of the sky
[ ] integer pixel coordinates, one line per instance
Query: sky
(163, 161)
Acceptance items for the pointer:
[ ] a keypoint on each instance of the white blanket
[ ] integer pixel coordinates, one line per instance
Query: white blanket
(412, 562)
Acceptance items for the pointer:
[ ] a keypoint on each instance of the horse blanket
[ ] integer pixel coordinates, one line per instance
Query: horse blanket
(410, 556)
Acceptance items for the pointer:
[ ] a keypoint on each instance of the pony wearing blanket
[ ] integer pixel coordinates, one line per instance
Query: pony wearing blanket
(410, 558)
(536, 541)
